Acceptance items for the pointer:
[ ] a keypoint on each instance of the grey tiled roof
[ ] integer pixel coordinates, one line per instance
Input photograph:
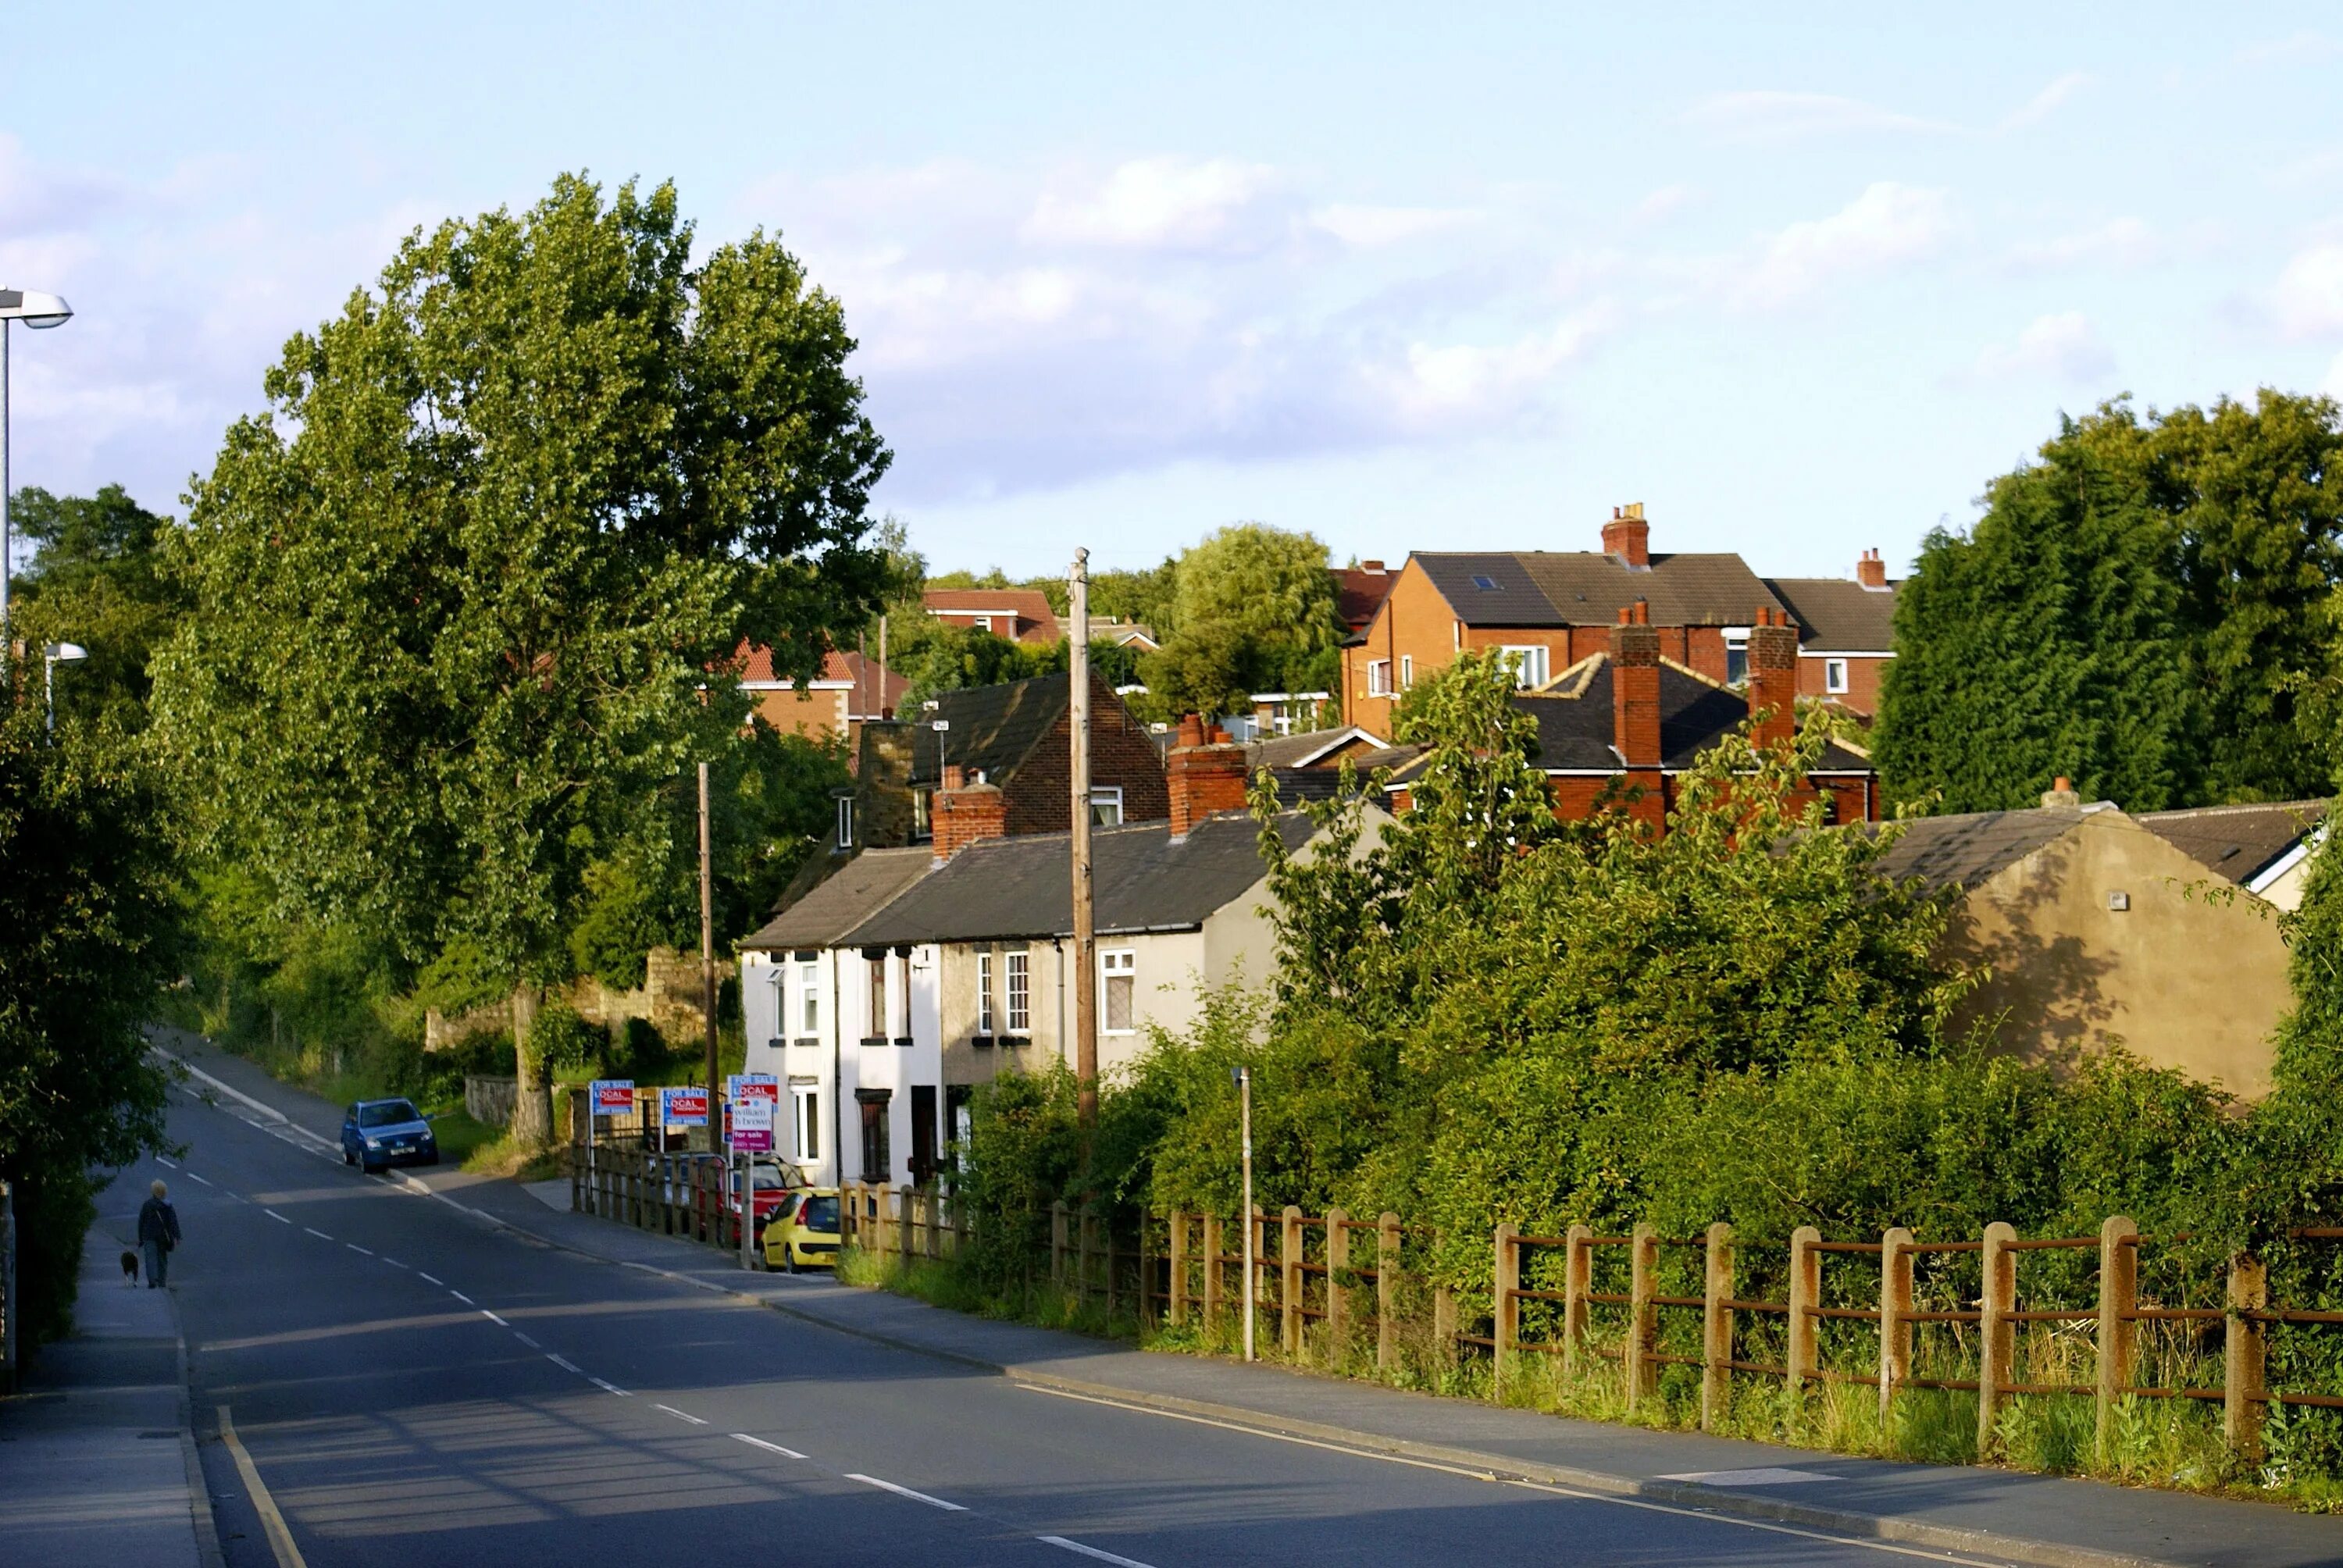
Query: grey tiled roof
(1006, 889)
(2240, 842)
(993, 727)
(1839, 615)
(851, 895)
(1967, 849)
(1585, 587)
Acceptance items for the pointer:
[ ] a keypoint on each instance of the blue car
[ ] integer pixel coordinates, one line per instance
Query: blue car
(381, 1132)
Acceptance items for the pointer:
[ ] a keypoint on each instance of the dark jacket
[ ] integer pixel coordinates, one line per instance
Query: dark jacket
(158, 1222)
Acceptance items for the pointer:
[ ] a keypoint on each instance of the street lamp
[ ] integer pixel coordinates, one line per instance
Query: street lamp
(56, 654)
(34, 309)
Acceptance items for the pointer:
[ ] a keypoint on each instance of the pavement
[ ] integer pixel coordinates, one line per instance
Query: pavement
(401, 1429)
(98, 1466)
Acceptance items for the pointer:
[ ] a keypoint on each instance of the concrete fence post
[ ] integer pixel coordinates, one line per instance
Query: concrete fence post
(1176, 1305)
(1806, 1295)
(1289, 1280)
(1386, 1291)
(1642, 1316)
(2118, 1333)
(1895, 1320)
(1215, 1281)
(1505, 1304)
(1577, 1272)
(2242, 1359)
(1057, 1242)
(1443, 1325)
(1996, 1335)
(1338, 1295)
(1261, 1262)
(1716, 1326)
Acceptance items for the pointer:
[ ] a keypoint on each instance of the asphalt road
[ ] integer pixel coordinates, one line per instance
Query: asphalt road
(414, 1387)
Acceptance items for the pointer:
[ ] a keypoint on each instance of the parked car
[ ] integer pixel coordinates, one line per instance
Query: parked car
(803, 1230)
(381, 1132)
(770, 1181)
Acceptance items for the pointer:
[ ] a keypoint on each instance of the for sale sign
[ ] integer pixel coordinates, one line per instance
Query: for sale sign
(613, 1096)
(757, 1086)
(683, 1106)
(753, 1125)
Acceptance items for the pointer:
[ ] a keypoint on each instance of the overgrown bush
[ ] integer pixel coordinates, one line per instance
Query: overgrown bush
(563, 1040)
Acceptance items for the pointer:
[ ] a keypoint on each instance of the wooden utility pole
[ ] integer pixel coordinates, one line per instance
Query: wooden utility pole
(1078, 646)
(707, 965)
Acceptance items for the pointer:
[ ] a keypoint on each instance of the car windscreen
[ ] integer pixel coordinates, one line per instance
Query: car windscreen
(768, 1180)
(390, 1113)
(821, 1215)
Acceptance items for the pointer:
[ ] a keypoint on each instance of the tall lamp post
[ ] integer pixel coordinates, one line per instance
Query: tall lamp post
(37, 310)
(56, 654)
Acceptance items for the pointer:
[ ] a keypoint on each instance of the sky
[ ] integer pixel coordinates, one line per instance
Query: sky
(1801, 279)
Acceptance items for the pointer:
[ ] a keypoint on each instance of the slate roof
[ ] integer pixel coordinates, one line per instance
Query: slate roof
(1006, 889)
(1968, 850)
(1037, 622)
(1575, 731)
(1586, 587)
(994, 727)
(1839, 615)
(849, 896)
(1302, 750)
(2240, 842)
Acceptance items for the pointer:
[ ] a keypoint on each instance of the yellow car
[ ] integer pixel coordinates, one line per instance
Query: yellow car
(803, 1231)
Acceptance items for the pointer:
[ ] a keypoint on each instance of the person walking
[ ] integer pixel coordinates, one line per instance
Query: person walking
(158, 1232)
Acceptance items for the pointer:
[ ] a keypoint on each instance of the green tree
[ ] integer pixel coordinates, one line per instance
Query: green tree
(101, 577)
(88, 937)
(459, 591)
(2142, 609)
(1253, 608)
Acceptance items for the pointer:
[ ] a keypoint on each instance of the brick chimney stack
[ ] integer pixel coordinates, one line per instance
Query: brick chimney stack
(964, 811)
(1205, 771)
(1635, 687)
(1871, 571)
(1627, 537)
(1773, 678)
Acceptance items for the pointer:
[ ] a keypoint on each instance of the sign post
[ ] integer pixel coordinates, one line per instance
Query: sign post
(604, 1097)
(756, 1096)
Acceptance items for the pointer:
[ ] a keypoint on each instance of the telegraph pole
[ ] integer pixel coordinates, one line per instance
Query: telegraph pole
(707, 965)
(1078, 646)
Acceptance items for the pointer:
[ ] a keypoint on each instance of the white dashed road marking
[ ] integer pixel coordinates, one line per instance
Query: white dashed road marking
(1090, 1551)
(275, 1216)
(319, 1234)
(429, 1281)
(565, 1366)
(463, 1298)
(680, 1415)
(906, 1492)
(610, 1388)
(393, 1262)
(166, 1163)
(767, 1447)
(527, 1341)
(354, 1247)
(193, 1177)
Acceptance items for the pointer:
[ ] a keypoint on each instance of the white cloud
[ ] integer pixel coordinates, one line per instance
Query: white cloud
(2119, 242)
(1373, 227)
(1766, 115)
(1887, 227)
(1160, 203)
(2046, 102)
(2065, 347)
(1664, 204)
(2307, 299)
(1437, 387)
(2302, 48)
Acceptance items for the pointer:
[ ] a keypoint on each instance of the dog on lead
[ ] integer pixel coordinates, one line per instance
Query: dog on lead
(129, 1268)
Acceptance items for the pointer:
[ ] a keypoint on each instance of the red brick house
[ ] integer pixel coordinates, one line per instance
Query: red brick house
(1020, 614)
(1623, 725)
(1358, 592)
(849, 691)
(1847, 633)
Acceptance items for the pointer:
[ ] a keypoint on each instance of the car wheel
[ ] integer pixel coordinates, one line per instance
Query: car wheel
(369, 1168)
(348, 1158)
(432, 1159)
(790, 1254)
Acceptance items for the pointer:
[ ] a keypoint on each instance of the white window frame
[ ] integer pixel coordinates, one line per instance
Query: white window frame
(1019, 1014)
(1835, 676)
(984, 1019)
(1736, 640)
(806, 1101)
(1530, 665)
(1106, 795)
(980, 622)
(809, 999)
(1118, 966)
(881, 998)
(846, 821)
(1379, 678)
(1406, 671)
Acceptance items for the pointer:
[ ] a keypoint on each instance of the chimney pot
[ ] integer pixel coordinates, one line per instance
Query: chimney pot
(1773, 683)
(2061, 793)
(1203, 776)
(1627, 537)
(1870, 571)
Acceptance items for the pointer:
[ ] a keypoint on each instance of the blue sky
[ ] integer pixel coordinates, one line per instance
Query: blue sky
(1409, 277)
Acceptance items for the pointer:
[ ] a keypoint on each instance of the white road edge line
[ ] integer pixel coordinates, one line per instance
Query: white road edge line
(1092, 1552)
(680, 1415)
(494, 1318)
(906, 1492)
(767, 1447)
(610, 1388)
(275, 1216)
(1678, 1511)
(354, 1247)
(429, 1281)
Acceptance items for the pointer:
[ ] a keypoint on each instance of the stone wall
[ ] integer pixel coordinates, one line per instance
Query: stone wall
(669, 998)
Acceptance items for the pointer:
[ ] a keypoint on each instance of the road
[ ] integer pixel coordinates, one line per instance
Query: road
(414, 1387)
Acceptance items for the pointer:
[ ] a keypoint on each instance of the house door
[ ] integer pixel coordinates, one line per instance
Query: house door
(923, 1133)
(877, 1166)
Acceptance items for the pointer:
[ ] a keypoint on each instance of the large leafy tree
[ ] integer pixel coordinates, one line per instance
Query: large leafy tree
(1253, 609)
(459, 592)
(2142, 607)
(99, 577)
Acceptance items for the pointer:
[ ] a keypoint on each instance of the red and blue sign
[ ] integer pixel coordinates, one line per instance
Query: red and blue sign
(683, 1106)
(613, 1096)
